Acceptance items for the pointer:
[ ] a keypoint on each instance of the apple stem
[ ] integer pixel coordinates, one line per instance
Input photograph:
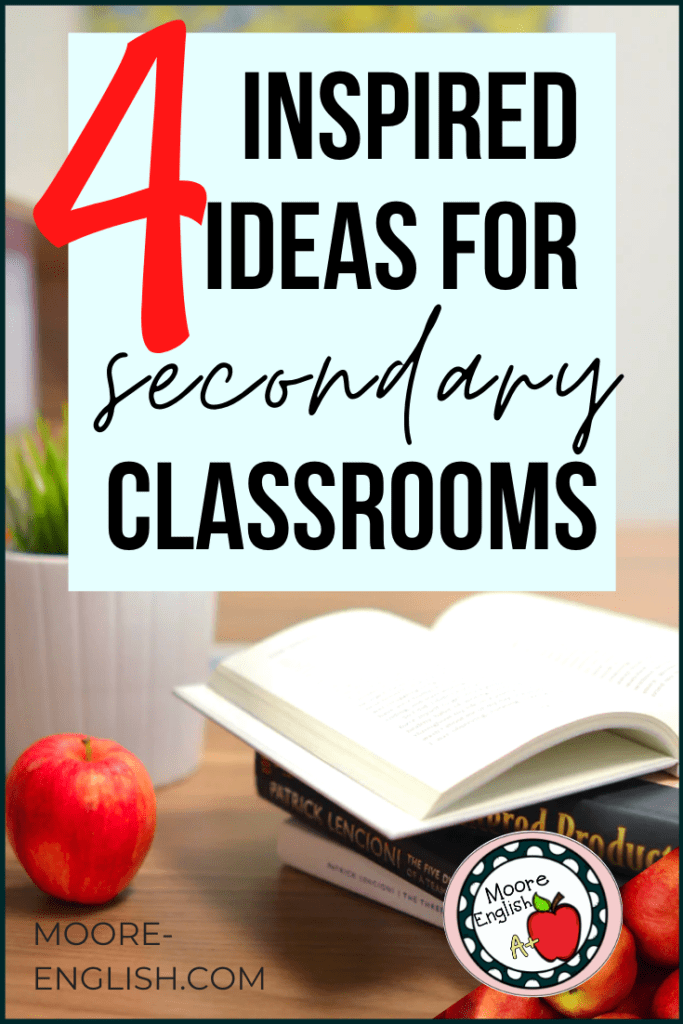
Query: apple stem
(88, 748)
(555, 902)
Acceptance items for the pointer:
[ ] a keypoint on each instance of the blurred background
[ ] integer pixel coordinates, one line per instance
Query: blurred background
(647, 205)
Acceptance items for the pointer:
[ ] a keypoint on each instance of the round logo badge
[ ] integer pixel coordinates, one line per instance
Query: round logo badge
(532, 913)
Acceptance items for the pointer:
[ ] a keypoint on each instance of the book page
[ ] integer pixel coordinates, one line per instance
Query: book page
(386, 816)
(636, 656)
(382, 686)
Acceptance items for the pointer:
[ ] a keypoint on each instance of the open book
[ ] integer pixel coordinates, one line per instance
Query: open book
(508, 700)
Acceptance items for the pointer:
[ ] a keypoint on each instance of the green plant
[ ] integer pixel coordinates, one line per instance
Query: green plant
(37, 490)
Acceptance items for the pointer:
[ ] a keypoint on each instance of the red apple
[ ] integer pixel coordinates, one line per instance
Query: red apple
(665, 1002)
(651, 910)
(80, 816)
(556, 927)
(639, 1000)
(608, 986)
(617, 1015)
(486, 1003)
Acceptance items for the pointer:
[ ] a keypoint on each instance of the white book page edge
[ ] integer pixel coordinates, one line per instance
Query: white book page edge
(352, 796)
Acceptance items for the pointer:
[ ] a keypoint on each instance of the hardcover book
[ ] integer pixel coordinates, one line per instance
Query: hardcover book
(300, 847)
(628, 824)
(507, 701)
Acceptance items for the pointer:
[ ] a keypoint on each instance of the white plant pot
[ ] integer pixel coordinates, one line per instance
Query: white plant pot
(103, 664)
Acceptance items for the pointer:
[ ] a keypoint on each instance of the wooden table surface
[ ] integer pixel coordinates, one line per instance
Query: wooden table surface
(213, 884)
(647, 587)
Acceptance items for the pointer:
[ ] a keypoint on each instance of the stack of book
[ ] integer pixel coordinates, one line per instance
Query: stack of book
(398, 750)
(629, 824)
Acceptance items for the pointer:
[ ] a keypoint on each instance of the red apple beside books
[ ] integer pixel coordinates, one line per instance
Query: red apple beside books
(665, 1002)
(80, 815)
(651, 910)
(639, 1000)
(617, 1015)
(485, 1003)
(605, 990)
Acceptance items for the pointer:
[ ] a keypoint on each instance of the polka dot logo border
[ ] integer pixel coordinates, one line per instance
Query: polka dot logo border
(601, 935)
(596, 933)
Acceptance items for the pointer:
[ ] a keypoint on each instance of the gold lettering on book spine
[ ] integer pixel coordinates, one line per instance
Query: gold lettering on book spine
(619, 853)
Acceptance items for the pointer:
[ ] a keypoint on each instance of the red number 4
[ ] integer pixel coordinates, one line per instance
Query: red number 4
(164, 323)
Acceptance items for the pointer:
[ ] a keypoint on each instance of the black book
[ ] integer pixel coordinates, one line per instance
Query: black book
(628, 824)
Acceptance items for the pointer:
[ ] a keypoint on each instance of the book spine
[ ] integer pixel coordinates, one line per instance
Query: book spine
(628, 825)
(622, 832)
(308, 851)
(404, 858)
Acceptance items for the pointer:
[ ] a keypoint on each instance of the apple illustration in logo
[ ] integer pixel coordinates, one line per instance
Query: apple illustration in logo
(555, 927)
